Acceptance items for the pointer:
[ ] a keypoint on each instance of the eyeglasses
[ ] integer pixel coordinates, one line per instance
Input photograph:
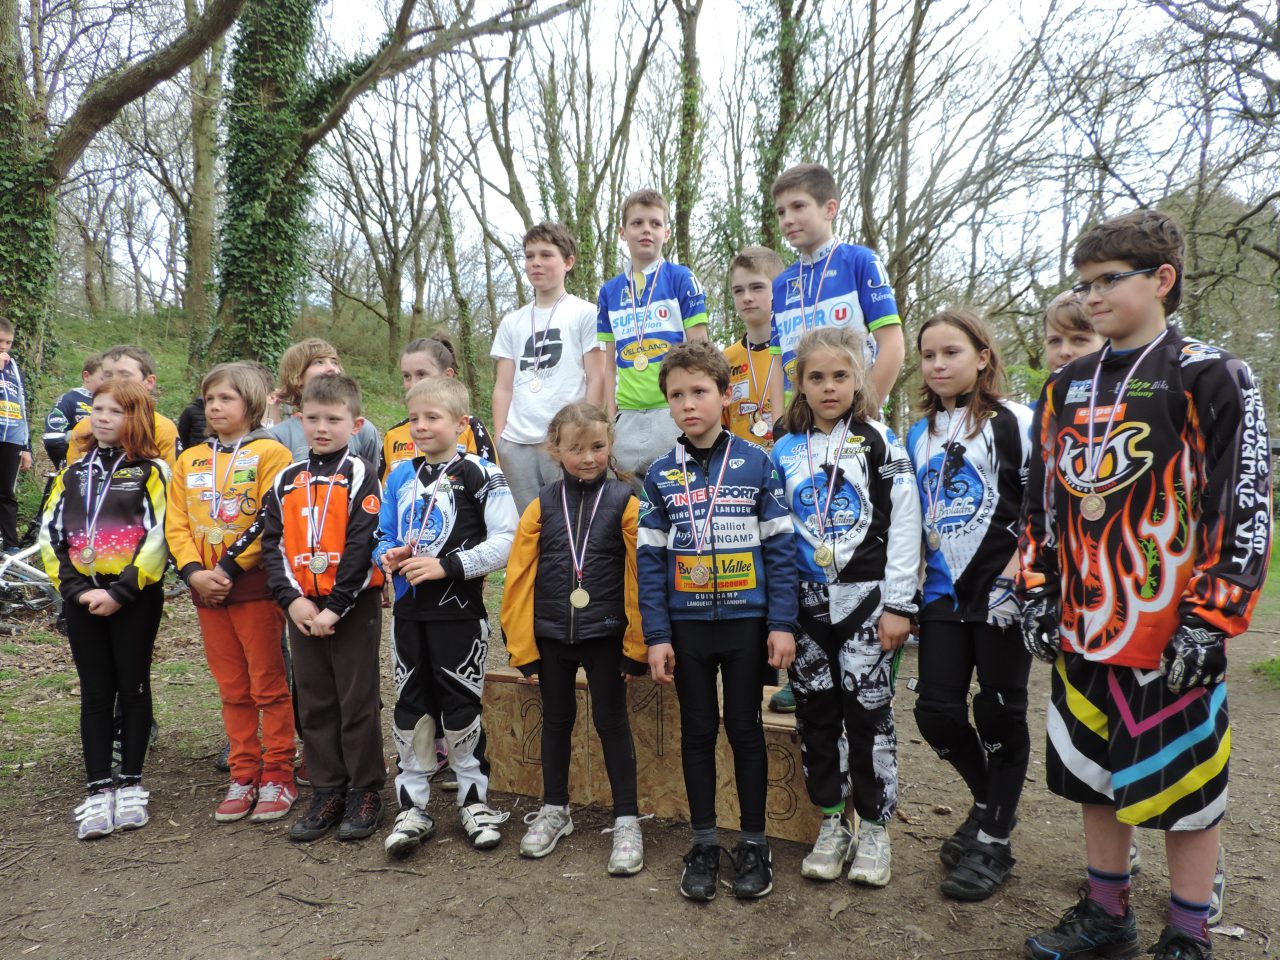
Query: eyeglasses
(1107, 281)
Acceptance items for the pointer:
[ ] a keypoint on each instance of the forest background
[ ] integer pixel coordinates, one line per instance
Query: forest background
(216, 178)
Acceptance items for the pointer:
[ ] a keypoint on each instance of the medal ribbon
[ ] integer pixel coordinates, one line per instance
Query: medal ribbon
(831, 482)
(698, 541)
(751, 372)
(1094, 460)
(934, 491)
(417, 480)
(642, 326)
(218, 493)
(822, 278)
(317, 529)
(539, 345)
(91, 512)
(579, 561)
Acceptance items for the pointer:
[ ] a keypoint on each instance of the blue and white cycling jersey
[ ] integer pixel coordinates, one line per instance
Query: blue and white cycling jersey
(971, 492)
(872, 524)
(853, 291)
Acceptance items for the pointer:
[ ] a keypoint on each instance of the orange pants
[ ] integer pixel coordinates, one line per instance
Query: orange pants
(242, 646)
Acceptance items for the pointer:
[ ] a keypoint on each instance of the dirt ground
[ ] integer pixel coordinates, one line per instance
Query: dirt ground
(185, 887)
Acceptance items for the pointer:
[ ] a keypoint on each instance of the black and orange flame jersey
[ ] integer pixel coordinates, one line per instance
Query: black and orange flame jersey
(1185, 474)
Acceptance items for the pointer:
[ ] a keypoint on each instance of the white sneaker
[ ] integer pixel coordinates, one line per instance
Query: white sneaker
(872, 861)
(627, 857)
(412, 827)
(830, 851)
(481, 822)
(131, 810)
(548, 825)
(96, 816)
(1135, 860)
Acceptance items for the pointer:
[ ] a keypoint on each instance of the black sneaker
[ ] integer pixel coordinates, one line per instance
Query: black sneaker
(222, 762)
(1087, 930)
(753, 870)
(364, 813)
(954, 847)
(325, 813)
(701, 872)
(1177, 945)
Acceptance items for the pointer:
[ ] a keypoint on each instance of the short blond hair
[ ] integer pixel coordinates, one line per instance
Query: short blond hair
(244, 380)
(449, 393)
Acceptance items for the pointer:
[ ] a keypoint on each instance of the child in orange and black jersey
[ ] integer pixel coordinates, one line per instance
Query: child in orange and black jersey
(103, 545)
(216, 492)
(318, 523)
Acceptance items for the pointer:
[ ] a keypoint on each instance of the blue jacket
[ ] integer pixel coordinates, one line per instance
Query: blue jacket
(14, 427)
(749, 548)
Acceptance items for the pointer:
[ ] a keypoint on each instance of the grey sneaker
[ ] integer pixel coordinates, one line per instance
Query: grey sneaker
(481, 822)
(871, 864)
(1135, 860)
(548, 825)
(627, 857)
(96, 816)
(413, 825)
(1218, 895)
(131, 811)
(830, 851)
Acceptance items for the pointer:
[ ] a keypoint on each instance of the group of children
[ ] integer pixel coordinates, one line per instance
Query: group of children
(709, 518)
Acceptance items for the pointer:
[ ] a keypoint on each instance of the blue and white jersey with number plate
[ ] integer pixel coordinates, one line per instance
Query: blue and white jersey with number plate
(853, 291)
(976, 486)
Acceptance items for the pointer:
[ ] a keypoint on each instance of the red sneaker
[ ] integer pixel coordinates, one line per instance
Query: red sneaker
(275, 800)
(238, 802)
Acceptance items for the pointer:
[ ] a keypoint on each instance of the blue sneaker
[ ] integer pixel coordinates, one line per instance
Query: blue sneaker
(1087, 930)
(784, 701)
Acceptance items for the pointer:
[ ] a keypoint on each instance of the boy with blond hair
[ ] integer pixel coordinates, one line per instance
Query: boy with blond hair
(641, 314)
(755, 374)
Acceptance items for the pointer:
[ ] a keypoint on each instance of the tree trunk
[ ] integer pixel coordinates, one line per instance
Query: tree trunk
(206, 92)
(689, 157)
(774, 143)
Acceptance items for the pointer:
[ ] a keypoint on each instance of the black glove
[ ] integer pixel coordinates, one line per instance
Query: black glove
(1195, 657)
(1040, 614)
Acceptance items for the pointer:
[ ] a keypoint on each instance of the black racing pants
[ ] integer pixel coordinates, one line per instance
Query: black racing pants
(992, 752)
(113, 658)
(10, 456)
(602, 661)
(737, 649)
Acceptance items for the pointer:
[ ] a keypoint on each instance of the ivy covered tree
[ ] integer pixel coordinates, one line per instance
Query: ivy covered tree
(278, 113)
(37, 155)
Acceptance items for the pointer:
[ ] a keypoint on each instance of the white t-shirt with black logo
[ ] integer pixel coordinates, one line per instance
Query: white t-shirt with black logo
(553, 345)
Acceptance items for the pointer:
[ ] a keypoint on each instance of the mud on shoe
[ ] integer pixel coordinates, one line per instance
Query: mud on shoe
(412, 828)
(627, 856)
(546, 827)
(871, 866)
(753, 870)
(701, 874)
(830, 851)
(480, 822)
(1086, 930)
(323, 814)
(1178, 945)
(364, 815)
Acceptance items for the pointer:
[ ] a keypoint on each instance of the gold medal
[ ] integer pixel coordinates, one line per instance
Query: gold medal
(700, 574)
(215, 535)
(932, 537)
(641, 362)
(535, 386)
(88, 555)
(1093, 506)
(318, 563)
(579, 598)
(760, 428)
(823, 555)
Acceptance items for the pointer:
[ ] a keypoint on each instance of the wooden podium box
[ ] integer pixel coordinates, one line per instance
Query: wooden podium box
(513, 727)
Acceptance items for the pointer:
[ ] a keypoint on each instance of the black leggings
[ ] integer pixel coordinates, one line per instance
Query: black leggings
(10, 455)
(737, 648)
(602, 661)
(992, 758)
(113, 658)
